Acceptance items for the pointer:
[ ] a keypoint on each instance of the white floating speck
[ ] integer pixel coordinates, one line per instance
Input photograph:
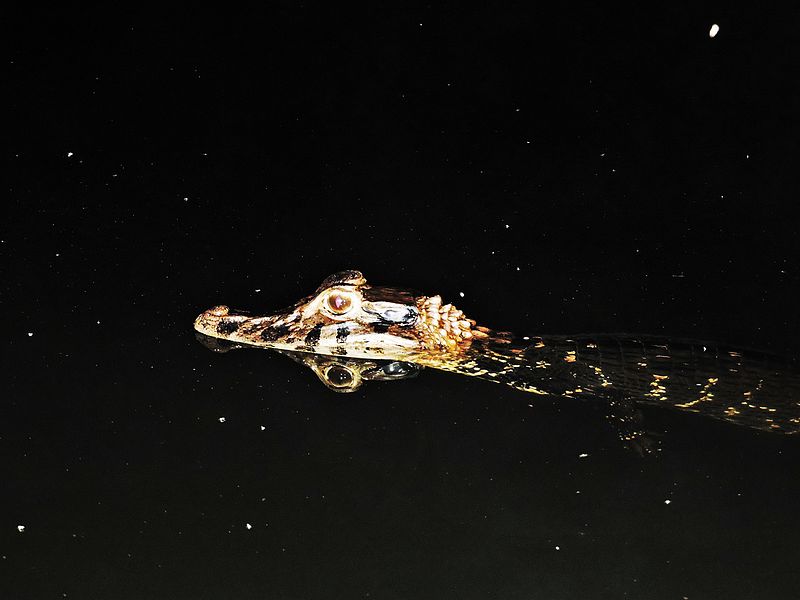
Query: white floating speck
(461, 294)
(507, 225)
(558, 547)
(222, 419)
(258, 290)
(69, 154)
(30, 334)
(263, 428)
(98, 322)
(248, 525)
(584, 455)
(713, 31)
(667, 501)
(20, 528)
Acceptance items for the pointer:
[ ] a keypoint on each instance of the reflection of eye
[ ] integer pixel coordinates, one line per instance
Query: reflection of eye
(397, 369)
(339, 303)
(339, 377)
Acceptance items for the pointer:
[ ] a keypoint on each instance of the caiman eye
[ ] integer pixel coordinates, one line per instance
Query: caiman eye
(339, 303)
(339, 377)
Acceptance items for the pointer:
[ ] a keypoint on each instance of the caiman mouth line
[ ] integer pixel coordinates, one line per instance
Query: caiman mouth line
(348, 319)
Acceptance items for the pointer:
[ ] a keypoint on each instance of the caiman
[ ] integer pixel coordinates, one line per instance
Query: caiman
(361, 331)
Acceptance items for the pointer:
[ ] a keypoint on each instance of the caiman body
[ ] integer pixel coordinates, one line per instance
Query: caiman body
(348, 319)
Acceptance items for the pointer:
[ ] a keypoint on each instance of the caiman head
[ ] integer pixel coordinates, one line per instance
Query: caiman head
(348, 317)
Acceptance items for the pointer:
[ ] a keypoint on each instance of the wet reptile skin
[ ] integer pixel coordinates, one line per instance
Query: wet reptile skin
(355, 323)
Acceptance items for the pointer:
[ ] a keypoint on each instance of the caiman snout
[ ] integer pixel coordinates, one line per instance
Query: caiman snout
(219, 320)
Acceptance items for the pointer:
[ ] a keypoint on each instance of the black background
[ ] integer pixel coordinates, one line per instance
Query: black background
(579, 169)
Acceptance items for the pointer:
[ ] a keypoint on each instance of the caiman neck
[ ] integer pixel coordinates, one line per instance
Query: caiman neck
(445, 328)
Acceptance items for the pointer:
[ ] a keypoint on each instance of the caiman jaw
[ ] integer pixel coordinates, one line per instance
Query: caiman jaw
(221, 322)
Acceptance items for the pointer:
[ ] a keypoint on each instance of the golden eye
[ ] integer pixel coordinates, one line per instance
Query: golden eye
(339, 303)
(339, 377)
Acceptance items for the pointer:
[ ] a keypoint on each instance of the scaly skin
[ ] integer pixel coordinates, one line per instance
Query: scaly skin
(352, 321)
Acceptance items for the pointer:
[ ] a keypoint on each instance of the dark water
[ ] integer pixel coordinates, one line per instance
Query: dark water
(567, 172)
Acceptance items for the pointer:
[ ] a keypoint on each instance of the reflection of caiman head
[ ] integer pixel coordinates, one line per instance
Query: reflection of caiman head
(347, 374)
(340, 374)
(347, 317)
